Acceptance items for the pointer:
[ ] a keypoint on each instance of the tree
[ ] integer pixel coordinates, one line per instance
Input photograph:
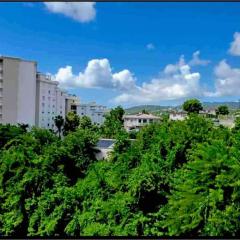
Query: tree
(72, 122)
(144, 111)
(23, 126)
(113, 123)
(59, 123)
(192, 106)
(8, 132)
(222, 110)
(85, 122)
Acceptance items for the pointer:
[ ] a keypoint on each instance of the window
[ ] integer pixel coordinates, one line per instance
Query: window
(61, 112)
(42, 112)
(139, 120)
(82, 113)
(49, 91)
(43, 97)
(48, 124)
(151, 120)
(43, 104)
(144, 120)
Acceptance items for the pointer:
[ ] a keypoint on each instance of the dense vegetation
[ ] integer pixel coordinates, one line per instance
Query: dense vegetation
(178, 178)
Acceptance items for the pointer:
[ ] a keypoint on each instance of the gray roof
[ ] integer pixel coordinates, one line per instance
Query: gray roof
(105, 143)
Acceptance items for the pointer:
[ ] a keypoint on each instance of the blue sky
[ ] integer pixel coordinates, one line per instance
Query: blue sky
(128, 53)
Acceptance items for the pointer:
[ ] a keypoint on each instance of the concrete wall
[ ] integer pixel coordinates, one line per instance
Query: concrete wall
(10, 90)
(26, 99)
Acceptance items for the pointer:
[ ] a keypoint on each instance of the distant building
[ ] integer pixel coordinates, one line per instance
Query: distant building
(181, 115)
(17, 90)
(94, 111)
(209, 112)
(72, 103)
(137, 121)
(50, 101)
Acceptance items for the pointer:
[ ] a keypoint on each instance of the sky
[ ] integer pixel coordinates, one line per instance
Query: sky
(130, 53)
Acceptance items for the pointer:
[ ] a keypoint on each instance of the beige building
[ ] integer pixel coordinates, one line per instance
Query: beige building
(71, 104)
(17, 90)
(137, 121)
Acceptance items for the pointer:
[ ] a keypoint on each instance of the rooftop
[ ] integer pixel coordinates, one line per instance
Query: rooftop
(142, 116)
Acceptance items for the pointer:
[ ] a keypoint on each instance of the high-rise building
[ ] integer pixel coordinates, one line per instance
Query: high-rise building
(17, 90)
(50, 101)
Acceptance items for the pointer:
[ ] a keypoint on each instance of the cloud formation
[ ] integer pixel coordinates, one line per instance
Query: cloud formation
(97, 74)
(79, 11)
(176, 82)
(235, 45)
(197, 61)
(227, 81)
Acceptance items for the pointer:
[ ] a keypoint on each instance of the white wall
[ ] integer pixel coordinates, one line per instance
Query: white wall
(47, 103)
(26, 104)
(92, 110)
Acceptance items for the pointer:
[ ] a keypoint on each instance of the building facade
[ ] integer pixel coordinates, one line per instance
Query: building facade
(94, 111)
(137, 121)
(180, 115)
(17, 90)
(50, 101)
(71, 104)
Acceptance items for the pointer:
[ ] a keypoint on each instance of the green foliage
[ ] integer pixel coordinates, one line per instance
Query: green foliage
(177, 178)
(222, 110)
(72, 122)
(9, 132)
(192, 106)
(59, 123)
(113, 123)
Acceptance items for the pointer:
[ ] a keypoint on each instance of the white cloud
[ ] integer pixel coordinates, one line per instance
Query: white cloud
(173, 68)
(235, 45)
(150, 46)
(197, 61)
(79, 11)
(175, 82)
(97, 74)
(227, 82)
(172, 85)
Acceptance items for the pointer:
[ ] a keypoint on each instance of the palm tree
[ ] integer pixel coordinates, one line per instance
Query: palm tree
(59, 122)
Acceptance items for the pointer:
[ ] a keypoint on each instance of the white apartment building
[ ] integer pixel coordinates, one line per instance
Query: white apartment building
(17, 90)
(135, 122)
(50, 101)
(94, 111)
